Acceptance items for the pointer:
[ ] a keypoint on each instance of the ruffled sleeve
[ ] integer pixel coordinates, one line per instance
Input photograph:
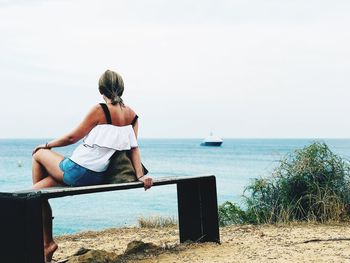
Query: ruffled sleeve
(119, 138)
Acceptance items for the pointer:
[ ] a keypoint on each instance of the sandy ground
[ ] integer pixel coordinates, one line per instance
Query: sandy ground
(267, 243)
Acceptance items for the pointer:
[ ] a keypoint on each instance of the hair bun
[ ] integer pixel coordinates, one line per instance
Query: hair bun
(112, 86)
(116, 99)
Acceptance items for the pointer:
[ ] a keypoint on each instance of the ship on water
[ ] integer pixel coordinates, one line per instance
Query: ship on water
(212, 140)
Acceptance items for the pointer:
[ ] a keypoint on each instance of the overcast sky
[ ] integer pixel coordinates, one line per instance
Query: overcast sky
(239, 68)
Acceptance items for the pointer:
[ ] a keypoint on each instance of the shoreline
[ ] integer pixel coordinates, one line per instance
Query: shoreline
(299, 242)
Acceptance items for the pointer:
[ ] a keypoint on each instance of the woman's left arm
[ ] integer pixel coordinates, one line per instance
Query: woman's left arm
(89, 122)
(136, 161)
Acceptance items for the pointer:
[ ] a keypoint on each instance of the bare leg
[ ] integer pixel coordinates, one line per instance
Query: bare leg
(38, 172)
(46, 173)
(46, 182)
(46, 163)
(50, 245)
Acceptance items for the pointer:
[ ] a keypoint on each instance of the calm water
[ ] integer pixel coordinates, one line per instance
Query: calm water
(234, 164)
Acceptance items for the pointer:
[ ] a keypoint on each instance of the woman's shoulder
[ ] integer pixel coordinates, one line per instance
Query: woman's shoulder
(97, 107)
(129, 111)
(95, 112)
(131, 115)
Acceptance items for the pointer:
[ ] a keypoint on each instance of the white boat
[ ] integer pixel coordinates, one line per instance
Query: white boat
(212, 140)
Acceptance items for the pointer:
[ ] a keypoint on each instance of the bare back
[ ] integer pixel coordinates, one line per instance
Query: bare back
(120, 115)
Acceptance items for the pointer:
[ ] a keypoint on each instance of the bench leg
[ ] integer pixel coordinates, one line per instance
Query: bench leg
(21, 237)
(198, 210)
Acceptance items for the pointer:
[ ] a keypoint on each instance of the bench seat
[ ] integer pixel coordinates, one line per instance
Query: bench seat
(21, 214)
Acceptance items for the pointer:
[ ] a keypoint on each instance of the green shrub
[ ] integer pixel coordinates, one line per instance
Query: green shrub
(310, 184)
(231, 213)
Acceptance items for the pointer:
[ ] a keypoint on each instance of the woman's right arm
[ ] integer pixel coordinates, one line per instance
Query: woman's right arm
(90, 121)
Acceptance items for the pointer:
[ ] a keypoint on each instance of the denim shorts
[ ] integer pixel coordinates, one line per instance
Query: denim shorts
(76, 175)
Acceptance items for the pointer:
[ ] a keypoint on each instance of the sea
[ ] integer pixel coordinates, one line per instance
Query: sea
(235, 164)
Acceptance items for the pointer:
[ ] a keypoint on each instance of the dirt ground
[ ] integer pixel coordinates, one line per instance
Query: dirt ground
(266, 243)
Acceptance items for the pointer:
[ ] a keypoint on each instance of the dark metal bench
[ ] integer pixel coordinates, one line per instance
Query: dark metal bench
(21, 237)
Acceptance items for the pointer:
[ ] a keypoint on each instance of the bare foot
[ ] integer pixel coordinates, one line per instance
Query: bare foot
(49, 250)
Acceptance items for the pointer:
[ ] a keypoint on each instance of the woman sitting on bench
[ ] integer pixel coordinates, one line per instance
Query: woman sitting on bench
(107, 128)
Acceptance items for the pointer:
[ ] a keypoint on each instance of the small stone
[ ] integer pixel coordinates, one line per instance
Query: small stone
(136, 246)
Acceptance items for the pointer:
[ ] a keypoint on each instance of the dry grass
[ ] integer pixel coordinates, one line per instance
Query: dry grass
(156, 222)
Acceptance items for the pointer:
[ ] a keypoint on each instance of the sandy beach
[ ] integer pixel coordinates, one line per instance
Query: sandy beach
(246, 243)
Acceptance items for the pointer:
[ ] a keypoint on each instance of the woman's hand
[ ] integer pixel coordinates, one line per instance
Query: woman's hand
(40, 146)
(147, 182)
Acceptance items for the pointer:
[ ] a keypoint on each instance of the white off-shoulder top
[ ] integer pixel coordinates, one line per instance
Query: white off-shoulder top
(101, 143)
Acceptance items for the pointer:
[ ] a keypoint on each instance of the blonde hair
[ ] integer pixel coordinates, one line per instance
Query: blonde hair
(111, 85)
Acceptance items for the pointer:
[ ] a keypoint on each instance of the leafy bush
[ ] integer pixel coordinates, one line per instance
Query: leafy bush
(311, 184)
(231, 213)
